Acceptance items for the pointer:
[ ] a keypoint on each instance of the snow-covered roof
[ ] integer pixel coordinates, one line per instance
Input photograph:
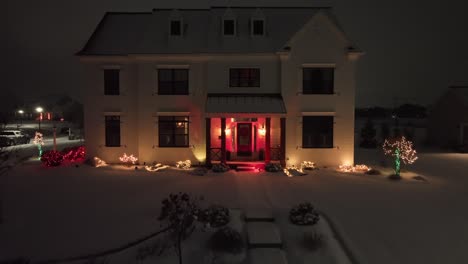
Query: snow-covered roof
(245, 103)
(147, 33)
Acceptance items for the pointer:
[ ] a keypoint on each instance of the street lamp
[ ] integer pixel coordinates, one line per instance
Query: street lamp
(21, 112)
(39, 110)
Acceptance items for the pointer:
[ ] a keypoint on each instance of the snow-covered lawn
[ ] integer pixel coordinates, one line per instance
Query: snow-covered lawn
(68, 211)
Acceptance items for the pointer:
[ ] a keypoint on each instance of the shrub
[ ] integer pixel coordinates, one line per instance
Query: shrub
(228, 240)
(304, 214)
(215, 216)
(52, 158)
(273, 167)
(74, 154)
(220, 167)
(313, 240)
(368, 134)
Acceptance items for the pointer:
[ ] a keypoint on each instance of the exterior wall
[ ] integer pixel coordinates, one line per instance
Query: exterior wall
(319, 42)
(445, 119)
(97, 105)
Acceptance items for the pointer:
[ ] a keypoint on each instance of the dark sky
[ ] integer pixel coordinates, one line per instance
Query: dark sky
(413, 50)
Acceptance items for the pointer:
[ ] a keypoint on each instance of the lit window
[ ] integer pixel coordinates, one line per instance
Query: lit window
(173, 131)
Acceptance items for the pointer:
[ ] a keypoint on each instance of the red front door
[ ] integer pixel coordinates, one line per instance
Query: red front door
(244, 139)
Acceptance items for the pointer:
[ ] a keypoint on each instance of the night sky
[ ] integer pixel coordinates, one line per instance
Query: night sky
(413, 50)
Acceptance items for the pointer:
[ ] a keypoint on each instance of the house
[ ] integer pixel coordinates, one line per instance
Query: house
(221, 84)
(448, 118)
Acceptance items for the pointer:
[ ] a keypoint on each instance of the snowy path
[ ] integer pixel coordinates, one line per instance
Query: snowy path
(68, 211)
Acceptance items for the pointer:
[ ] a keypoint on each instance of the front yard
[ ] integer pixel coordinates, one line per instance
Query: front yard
(68, 211)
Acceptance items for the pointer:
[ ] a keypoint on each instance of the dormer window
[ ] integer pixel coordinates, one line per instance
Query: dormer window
(258, 27)
(229, 27)
(176, 27)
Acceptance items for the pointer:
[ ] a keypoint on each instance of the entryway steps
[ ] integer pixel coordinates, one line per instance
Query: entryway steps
(245, 168)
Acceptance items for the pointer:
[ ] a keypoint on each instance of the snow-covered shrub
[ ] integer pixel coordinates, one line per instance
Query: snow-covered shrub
(313, 240)
(373, 172)
(220, 167)
(215, 215)
(52, 158)
(227, 239)
(273, 167)
(304, 214)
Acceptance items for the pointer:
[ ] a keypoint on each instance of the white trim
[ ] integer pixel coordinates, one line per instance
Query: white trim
(111, 67)
(318, 113)
(172, 66)
(173, 114)
(318, 65)
(113, 113)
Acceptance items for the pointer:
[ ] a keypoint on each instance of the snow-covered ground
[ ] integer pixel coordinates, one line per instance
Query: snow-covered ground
(67, 211)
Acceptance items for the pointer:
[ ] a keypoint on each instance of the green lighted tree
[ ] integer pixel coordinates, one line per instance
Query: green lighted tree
(402, 150)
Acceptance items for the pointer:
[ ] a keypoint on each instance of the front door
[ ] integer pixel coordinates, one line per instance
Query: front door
(244, 139)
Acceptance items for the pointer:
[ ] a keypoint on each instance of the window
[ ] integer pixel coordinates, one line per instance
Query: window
(317, 80)
(111, 82)
(176, 28)
(112, 131)
(317, 132)
(173, 131)
(173, 81)
(248, 77)
(229, 27)
(257, 27)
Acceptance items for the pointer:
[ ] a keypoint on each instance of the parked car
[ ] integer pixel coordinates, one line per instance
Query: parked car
(13, 137)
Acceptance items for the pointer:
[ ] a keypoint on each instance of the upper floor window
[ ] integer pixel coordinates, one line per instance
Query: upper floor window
(229, 27)
(173, 131)
(317, 131)
(111, 82)
(176, 27)
(173, 81)
(112, 132)
(258, 27)
(244, 77)
(317, 80)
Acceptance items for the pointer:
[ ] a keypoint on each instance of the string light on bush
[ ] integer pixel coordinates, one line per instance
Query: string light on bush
(402, 150)
(156, 167)
(184, 164)
(128, 159)
(99, 162)
(39, 142)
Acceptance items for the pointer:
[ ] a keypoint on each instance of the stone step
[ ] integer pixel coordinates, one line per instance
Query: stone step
(263, 235)
(259, 215)
(267, 255)
(245, 168)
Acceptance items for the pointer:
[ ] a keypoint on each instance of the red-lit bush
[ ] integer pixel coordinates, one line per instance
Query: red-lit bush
(52, 158)
(74, 154)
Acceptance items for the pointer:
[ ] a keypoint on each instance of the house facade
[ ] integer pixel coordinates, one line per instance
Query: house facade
(448, 119)
(221, 84)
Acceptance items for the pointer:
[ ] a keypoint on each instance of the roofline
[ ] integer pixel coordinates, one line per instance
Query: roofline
(458, 87)
(93, 36)
(275, 95)
(273, 7)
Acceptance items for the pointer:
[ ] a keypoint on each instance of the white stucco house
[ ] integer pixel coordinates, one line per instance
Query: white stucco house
(221, 84)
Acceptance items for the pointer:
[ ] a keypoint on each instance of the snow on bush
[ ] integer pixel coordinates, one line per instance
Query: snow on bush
(52, 158)
(215, 216)
(304, 214)
(227, 239)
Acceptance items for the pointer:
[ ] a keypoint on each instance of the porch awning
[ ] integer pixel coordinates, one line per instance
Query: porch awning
(245, 103)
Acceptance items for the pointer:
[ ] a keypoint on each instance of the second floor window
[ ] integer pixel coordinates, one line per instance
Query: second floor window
(111, 82)
(246, 77)
(173, 81)
(317, 80)
(112, 132)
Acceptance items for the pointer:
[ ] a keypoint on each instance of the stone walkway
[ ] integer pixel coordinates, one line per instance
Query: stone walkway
(264, 238)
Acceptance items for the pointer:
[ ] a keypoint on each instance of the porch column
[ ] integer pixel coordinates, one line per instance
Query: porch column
(267, 140)
(283, 141)
(208, 141)
(223, 140)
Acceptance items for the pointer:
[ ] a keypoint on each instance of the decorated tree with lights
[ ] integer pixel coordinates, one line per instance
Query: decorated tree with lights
(402, 150)
(39, 142)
